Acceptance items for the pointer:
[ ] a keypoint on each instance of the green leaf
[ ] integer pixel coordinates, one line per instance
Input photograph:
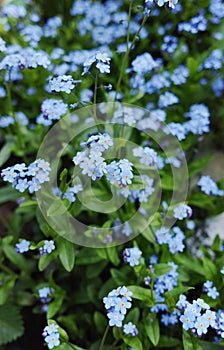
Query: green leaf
(100, 322)
(17, 259)
(202, 200)
(134, 342)
(153, 331)
(11, 324)
(5, 289)
(209, 346)
(92, 271)
(66, 252)
(142, 294)
(88, 256)
(168, 342)
(190, 342)
(113, 255)
(172, 296)
(192, 65)
(7, 150)
(161, 269)
(119, 277)
(7, 194)
(54, 306)
(45, 260)
(133, 315)
(211, 270)
(198, 165)
(57, 208)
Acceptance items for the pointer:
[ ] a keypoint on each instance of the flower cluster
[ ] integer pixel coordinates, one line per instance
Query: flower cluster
(162, 284)
(102, 61)
(197, 315)
(31, 177)
(182, 211)
(51, 335)
(64, 83)
(116, 303)
(209, 186)
(171, 3)
(174, 238)
(132, 256)
(147, 155)
(93, 164)
(51, 110)
(210, 290)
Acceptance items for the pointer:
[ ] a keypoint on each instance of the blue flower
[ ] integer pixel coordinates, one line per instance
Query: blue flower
(188, 320)
(132, 256)
(52, 340)
(201, 325)
(23, 246)
(49, 246)
(115, 319)
(130, 328)
(182, 211)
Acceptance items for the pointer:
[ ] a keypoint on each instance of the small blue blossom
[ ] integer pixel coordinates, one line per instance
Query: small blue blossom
(182, 211)
(49, 246)
(23, 246)
(209, 186)
(130, 328)
(132, 256)
(52, 340)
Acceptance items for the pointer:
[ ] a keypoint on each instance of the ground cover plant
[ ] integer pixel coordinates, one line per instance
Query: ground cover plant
(106, 107)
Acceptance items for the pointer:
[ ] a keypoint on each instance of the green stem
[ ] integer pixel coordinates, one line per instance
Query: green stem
(6, 269)
(9, 97)
(95, 101)
(104, 338)
(128, 49)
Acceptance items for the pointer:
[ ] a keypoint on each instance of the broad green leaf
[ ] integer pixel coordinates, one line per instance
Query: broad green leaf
(205, 345)
(57, 208)
(153, 331)
(54, 306)
(198, 165)
(100, 322)
(202, 200)
(133, 315)
(120, 277)
(11, 324)
(190, 342)
(7, 193)
(172, 296)
(134, 342)
(66, 251)
(211, 270)
(192, 65)
(5, 289)
(142, 294)
(7, 150)
(112, 254)
(45, 260)
(92, 271)
(161, 269)
(87, 256)
(17, 259)
(168, 342)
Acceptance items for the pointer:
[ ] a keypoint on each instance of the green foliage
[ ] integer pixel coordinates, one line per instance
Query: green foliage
(11, 324)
